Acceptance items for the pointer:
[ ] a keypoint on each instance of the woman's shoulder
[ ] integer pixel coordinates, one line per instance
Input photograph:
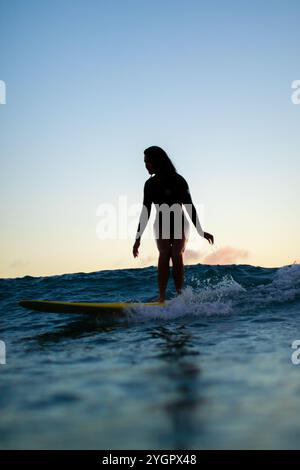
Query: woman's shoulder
(149, 181)
(149, 184)
(181, 180)
(158, 180)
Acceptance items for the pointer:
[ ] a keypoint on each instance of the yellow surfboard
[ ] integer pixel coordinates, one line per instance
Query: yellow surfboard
(110, 308)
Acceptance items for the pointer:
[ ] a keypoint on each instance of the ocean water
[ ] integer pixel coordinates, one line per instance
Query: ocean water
(212, 370)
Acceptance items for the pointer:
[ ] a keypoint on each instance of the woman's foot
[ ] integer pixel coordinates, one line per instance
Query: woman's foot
(160, 300)
(157, 300)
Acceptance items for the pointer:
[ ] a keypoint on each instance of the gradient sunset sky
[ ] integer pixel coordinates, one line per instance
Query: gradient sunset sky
(91, 83)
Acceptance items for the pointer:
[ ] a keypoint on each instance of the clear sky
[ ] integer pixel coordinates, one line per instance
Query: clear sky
(91, 83)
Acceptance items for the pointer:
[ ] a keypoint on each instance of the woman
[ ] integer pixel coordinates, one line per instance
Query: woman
(168, 191)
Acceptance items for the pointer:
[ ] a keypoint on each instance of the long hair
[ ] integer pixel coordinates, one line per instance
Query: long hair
(162, 164)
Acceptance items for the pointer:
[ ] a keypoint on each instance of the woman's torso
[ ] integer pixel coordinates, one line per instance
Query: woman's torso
(165, 192)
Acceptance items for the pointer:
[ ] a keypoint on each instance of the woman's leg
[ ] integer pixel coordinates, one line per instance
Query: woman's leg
(164, 247)
(178, 248)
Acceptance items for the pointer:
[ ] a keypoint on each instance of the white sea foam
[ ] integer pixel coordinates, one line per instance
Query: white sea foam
(205, 301)
(208, 298)
(285, 286)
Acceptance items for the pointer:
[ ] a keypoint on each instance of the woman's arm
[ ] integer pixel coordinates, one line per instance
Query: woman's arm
(144, 217)
(191, 210)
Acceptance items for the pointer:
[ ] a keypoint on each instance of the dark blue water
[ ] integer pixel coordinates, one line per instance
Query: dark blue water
(211, 370)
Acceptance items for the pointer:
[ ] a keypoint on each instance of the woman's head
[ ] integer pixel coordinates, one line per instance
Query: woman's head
(157, 161)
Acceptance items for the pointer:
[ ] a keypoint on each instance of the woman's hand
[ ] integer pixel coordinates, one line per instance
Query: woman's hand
(135, 249)
(209, 238)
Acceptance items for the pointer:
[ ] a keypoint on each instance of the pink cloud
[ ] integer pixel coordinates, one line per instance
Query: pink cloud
(191, 256)
(226, 255)
(150, 260)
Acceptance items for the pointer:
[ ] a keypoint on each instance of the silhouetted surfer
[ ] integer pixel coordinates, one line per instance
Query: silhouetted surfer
(167, 190)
